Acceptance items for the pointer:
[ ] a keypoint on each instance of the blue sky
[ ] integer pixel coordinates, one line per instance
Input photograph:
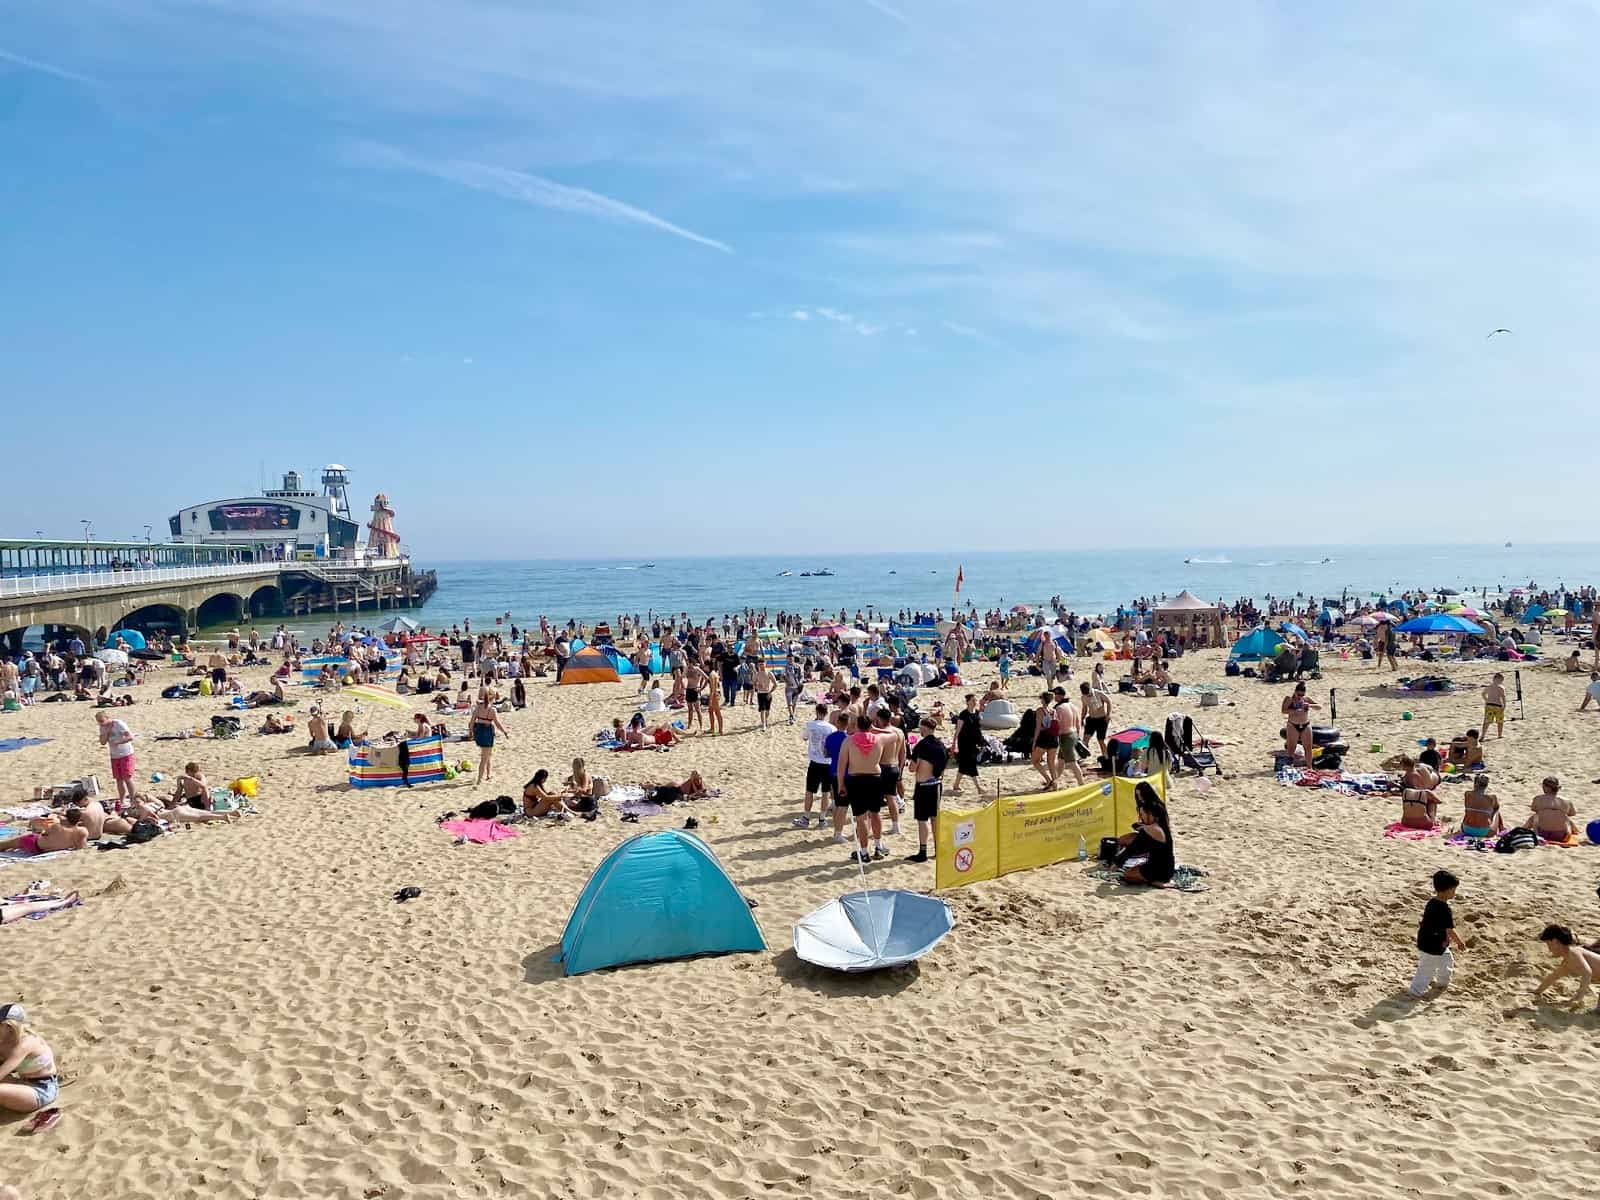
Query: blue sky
(719, 277)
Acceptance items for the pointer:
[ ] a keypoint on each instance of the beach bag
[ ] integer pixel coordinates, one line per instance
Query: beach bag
(1513, 840)
(1108, 849)
(143, 831)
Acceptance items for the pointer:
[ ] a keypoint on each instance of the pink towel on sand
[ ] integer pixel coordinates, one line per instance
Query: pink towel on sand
(479, 830)
(1407, 834)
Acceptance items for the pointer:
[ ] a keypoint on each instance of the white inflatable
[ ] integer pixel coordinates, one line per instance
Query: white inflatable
(999, 716)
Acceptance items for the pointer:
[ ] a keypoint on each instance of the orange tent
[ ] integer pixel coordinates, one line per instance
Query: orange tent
(590, 665)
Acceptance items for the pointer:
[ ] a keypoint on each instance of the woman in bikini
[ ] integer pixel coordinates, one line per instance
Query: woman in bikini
(539, 801)
(713, 721)
(347, 735)
(1297, 722)
(1419, 799)
(581, 790)
(12, 911)
(1481, 817)
(485, 724)
(28, 1077)
(671, 791)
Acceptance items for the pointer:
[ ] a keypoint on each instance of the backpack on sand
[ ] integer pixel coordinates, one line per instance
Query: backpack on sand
(1513, 840)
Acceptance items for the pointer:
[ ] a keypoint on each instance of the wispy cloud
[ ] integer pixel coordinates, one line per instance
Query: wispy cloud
(886, 10)
(850, 321)
(968, 331)
(34, 64)
(523, 187)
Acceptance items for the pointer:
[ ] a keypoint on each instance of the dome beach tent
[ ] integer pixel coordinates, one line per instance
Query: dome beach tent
(590, 665)
(1255, 645)
(1036, 640)
(622, 659)
(657, 896)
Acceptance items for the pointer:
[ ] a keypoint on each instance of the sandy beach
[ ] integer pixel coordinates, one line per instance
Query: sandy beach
(242, 1011)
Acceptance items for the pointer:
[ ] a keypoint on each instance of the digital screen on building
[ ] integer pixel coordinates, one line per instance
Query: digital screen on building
(239, 517)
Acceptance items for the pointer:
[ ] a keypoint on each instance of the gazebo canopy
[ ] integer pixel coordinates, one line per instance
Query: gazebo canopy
(1186, 612)
(1185, 602)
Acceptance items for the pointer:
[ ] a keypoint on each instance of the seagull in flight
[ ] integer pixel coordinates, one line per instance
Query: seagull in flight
(1496, 331)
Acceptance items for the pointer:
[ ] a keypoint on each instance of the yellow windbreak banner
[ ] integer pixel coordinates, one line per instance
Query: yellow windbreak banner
(967, 846)
(1035, 831)
(1018, 833)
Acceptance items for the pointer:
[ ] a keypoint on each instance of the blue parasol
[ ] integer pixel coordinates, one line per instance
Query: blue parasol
(1439, 623)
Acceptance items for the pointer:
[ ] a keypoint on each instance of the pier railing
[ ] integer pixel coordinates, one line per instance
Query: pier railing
(43, 585)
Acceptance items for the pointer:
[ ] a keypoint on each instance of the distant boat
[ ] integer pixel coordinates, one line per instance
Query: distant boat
(646, 566)
(894, 572)
(805, 574)
(784, 574)
(1508, 545)
(824, 572)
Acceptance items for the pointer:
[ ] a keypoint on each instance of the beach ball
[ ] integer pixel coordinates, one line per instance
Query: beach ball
(1407, 715)
(1593, 830)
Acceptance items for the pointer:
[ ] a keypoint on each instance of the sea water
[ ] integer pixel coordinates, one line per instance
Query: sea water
(1088, 581)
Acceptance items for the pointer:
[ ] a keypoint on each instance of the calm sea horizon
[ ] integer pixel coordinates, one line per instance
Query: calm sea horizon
(1089, 581)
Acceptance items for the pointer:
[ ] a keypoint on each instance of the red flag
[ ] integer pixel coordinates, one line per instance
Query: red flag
(959, 577)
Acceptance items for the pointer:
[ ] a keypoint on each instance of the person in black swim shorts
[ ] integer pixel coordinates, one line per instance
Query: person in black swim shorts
(930, 759)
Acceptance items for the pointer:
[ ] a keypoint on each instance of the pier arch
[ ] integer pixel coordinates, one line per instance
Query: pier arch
(152, 618)
(265, 601)
(220, 609)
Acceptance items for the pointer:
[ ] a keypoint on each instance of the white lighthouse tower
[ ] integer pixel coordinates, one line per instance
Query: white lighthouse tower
(335, 486)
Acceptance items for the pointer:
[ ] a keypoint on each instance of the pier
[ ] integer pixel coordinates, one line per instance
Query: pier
(93, 603)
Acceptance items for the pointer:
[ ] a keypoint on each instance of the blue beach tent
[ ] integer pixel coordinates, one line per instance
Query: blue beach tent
(624, 664)
(1257, 644)
(1036, 639)
(657, 896)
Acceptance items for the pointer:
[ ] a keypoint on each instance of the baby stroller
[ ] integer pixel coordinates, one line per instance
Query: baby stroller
(1021, 739)
(1184, 749)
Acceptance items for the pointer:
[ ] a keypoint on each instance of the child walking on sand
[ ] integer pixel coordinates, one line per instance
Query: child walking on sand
(1494, 705)
(1435, 936)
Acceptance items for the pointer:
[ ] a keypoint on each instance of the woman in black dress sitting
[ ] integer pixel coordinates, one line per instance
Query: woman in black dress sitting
(1146, 853)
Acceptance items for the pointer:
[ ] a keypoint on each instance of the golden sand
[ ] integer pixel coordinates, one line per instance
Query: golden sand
(242, 1010)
